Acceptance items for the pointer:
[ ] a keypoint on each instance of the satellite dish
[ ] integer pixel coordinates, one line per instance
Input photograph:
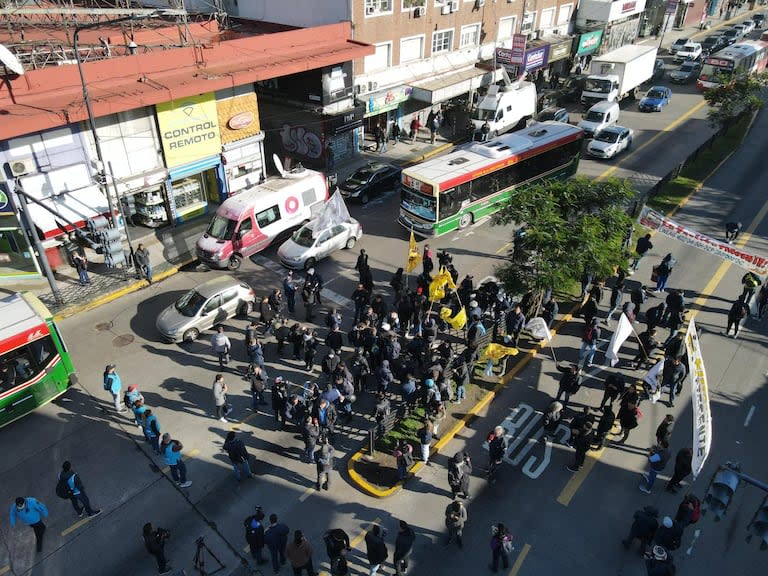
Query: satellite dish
(10, 61)
(278, 164)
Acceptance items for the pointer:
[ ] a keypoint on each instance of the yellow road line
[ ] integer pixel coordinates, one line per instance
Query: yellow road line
(72, 528)
(520, 559)
(307, 493)
(4, 570)
(575, 482)
(245, 420)
(187, 456)
(651, 140)
(355, 542)
(507, 245)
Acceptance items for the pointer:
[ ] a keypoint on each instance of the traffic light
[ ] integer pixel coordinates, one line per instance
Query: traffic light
(109, 241)
(759, 525)
(720, 492)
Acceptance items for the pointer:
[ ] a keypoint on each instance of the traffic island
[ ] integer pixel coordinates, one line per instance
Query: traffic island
(375, 473)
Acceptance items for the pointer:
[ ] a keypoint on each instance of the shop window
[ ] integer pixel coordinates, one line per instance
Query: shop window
(379, 60)
(411, 49)
(268, 216)
(565, 14)
(442, 41)
(376, 7)
(470, 36)
(507, 27)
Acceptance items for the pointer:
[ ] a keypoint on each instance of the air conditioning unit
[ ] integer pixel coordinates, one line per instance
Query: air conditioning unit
(446, 9)
(419, 11)
(454, 5)
(21, 167)
(372, 86)
(370, 10)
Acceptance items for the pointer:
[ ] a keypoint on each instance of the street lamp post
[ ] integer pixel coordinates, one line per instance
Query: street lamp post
(100, 165)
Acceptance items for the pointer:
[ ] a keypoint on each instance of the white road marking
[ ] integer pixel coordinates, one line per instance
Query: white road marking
(749, 416)
(334, 297)
(695, 537)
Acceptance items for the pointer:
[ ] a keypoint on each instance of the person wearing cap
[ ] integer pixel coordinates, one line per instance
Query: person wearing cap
(129, 399)
(658, 562)
(171, 450)
(669, 534)
(31, 512)
(589, 340)
(114, 385)
(77, 495)
(643, 528)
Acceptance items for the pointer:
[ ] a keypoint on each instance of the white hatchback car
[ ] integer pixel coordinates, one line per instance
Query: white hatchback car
(307, 246)
(690, 51)
(610, 141)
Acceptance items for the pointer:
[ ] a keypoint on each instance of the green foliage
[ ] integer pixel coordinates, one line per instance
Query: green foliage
(569, 226)
(729, 99)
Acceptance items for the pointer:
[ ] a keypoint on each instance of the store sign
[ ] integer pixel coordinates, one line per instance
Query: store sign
(346, 121)
(5, 205)
(536, 58)
(238, 117)
(671, 7)
(189, 129)
(625, 8)
(560, 50)
(628, 7)
(589, 42)
(389, 100)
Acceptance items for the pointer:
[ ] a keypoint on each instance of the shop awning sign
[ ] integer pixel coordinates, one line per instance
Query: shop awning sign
(536, 59)
(189, 128)
(589, 42)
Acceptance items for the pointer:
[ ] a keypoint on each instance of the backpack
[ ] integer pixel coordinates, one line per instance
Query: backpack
(63, 490)
(108, 382)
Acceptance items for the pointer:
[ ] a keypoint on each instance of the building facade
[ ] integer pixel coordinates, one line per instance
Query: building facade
(620, 21)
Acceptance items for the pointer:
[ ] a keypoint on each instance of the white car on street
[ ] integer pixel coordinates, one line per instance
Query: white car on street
(610, 141)
(307, 245)
(690, 51)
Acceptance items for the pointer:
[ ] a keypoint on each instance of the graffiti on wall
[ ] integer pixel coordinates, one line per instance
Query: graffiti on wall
(299, 141)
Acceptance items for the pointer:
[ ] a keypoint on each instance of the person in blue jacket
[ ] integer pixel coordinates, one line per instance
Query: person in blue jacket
(78, 497)
(152, 430)
(171, 450)
(31, 512)
(114, 385)
(276, 539)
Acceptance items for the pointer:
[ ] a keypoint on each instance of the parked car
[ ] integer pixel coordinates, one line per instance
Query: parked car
(371, 180)
(677, 44)
(688, 72)
(732, 35)
(759, 20)
(205, 306)
(658, 70)
(749, 25)
(655, 99)
(610, 141)
(552, 113)
(712, 44)
(307, 245)
(691, 51)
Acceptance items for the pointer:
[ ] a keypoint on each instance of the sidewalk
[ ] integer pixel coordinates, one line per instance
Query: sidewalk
(174, 248)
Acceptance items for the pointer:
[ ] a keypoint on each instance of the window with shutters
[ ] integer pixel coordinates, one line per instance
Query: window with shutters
(547, 18)
(507, 27)
(411, 49)
(442, 41)
(470, 36)
(379, 60)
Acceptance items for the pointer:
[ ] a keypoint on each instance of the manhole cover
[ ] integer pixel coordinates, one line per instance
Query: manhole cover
(104, 326)
(122, 340)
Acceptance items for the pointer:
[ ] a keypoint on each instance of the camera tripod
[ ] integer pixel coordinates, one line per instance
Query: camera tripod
(199, 561)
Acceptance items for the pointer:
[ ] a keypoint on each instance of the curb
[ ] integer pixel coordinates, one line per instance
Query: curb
(130, 288)
(473, 413)
(421, 157)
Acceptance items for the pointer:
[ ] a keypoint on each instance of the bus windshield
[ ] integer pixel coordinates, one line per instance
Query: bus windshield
(419, 204)
(221, 228)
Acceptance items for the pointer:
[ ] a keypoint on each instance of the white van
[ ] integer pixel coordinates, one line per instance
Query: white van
(250, 221)
(599, 116)
(505, 107)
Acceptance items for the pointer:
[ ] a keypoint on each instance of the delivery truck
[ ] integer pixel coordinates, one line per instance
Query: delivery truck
(617, 74)
(504, 108)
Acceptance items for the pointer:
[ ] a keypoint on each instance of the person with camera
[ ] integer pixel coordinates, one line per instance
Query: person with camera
(154, 541)
(455, 518)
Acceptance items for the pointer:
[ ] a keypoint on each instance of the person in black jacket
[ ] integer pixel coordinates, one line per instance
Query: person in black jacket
(643, 528)
(739, 310)
(669, 534)
(647, 343)
(77, 495)
(337, 545)
(570, 382)
(403, 546)
(614, 387)
(376, 549)
(238, 456)
(581, 440)
(254, 535)
(604, 426)
(683, 467)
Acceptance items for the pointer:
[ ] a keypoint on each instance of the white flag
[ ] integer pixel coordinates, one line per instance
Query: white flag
(538, 328)
(622, 332)
(702, 415)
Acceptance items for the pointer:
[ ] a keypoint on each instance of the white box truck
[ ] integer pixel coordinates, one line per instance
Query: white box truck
(616, 75)
(504, 108)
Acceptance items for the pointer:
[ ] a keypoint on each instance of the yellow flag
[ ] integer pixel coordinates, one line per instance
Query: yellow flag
(413, 254)
(445, 314)
(451, 284)
(496, 352)
(437, 286)
(458, 321)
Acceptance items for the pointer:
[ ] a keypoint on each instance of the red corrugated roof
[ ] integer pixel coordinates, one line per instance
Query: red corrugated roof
(51, 97)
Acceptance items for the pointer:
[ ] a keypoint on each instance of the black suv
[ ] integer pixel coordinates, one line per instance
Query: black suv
(712, 44)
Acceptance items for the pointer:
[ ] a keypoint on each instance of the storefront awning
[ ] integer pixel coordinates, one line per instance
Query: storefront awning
(451, 85)
(559, 47)
(75, 207)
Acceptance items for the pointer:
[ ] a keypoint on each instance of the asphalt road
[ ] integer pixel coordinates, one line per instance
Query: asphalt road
(581, 537)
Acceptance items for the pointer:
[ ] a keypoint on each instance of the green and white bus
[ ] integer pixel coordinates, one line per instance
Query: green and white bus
(35, 366)
(473, 181)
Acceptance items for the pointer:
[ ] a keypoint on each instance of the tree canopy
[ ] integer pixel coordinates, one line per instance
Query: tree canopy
(567, 227)
(729, 99)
